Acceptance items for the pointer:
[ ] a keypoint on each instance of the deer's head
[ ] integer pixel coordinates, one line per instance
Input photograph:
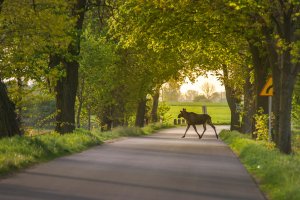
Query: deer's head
(181, 114)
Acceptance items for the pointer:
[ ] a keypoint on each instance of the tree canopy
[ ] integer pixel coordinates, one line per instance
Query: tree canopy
(119, 53)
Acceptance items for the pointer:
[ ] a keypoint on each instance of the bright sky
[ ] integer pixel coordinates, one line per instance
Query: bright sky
(200, 80)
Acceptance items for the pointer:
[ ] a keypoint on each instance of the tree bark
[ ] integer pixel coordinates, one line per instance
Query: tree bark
(9, 125)
(260, 65)
(249, 106)
(284, 73)
(89, 118)
(154, 117)
(78, 115)
(233, 101)
(80, 102)
(66, 87)
(105, 117)
(140, 114)
(1, 2)
(19, 105)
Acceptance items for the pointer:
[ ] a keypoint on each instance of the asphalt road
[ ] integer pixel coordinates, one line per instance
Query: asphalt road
(162, 166)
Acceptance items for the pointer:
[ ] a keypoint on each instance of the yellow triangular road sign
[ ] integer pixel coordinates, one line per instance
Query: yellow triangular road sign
(268, 88)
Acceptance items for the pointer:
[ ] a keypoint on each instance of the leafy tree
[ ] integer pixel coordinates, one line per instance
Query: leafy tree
(208, 89)
(27, 30)
(171, 91)
(98, 81)
(200, 98)
(182, 27)
(262, 30)
(278, 22)
(66, 86)
(190, 95)
(30, 31)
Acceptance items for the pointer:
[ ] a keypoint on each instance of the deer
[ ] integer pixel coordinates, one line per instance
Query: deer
(194, 118)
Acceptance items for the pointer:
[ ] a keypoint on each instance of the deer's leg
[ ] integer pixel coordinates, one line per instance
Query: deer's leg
(211, 124)
(186, 130)
(196, 130)
(204, 127)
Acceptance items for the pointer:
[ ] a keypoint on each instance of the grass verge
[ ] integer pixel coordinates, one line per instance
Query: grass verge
(20, 152)
(278, 175)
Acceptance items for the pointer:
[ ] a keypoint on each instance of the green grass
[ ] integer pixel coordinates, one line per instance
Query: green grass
(278, 174)
(20, 152)
(219, 112)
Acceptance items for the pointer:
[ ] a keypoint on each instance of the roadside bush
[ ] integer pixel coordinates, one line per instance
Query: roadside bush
(261, 125)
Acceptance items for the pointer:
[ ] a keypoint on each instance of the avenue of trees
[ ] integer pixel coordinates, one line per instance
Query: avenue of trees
(109, 58)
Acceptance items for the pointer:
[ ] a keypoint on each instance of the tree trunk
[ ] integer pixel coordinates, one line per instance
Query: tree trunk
(9, 125)
(106, 118)
(89, 118)
(285, 113)
(284, 73)
(19, 108)
(249, 106)
(233, 101)
(140, 114)
(283, 83)
(80, 101)
(66, 87)
(1, 2)
(273, 60)
(154, 117)
(260, 65)
(78, 114)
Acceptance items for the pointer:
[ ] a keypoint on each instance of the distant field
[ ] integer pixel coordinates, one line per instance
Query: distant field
(219, 112)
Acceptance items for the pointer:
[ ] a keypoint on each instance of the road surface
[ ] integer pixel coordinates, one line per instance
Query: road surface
(162, 166)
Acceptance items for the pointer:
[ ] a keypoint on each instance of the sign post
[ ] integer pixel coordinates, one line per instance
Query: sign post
(270, 118)
(268, 91)
(204, 109)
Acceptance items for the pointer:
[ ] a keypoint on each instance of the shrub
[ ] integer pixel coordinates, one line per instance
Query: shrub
(261, 125)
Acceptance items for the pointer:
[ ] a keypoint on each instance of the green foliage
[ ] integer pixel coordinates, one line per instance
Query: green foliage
(296, 105)
(261, 125)
(278, 174)
(98, 85)
(191, 31)
(296, 112)
(171, 91)
(296, 116)
(39, 110)
(35, 106)
(163, 108)
(112, 84)
(20, 152)
(30, 33)
(162, 112)
(200, 98)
